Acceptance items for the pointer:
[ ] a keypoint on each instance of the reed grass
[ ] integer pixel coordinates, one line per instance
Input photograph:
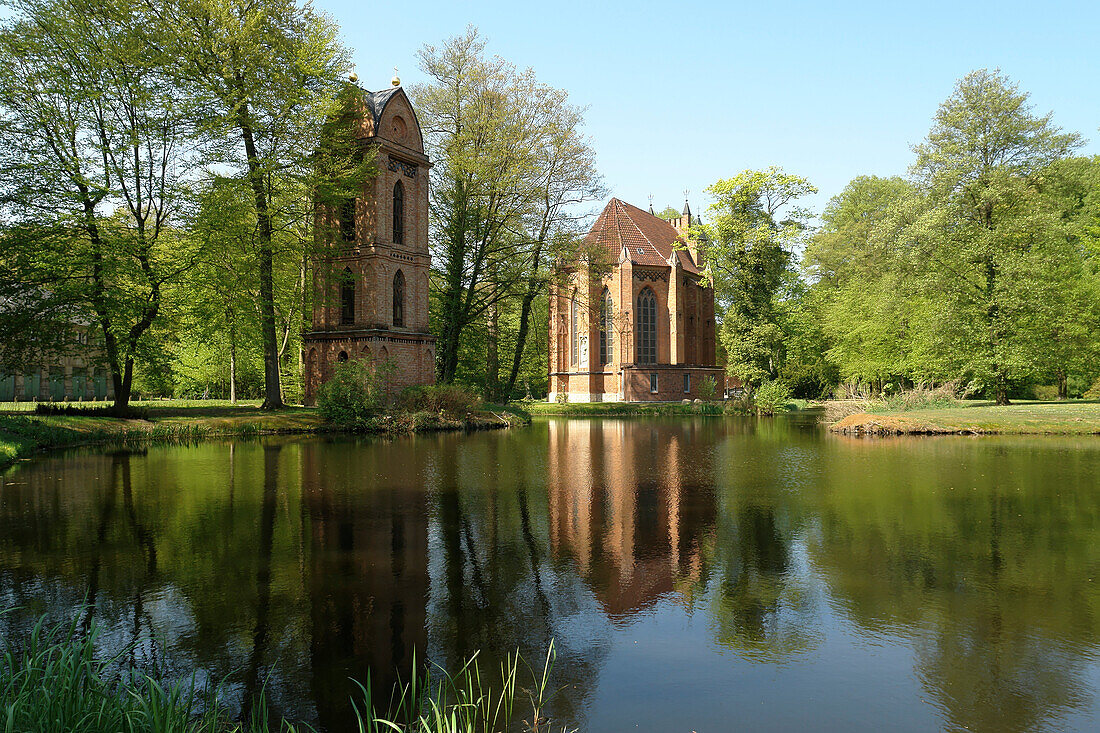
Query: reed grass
(54, 681)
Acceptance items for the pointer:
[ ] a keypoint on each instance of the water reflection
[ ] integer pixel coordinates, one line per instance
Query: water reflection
(689, 571)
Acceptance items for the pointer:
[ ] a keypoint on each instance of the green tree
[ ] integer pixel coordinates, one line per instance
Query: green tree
(511, 166)
(264, 77)
(990, 242)
(863, 296)
(757, 225)
(95, 165)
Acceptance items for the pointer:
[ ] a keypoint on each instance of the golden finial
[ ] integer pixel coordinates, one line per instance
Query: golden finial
(395, 80)
(353, 77)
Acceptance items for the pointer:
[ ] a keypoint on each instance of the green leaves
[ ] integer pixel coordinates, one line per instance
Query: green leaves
(756, 228)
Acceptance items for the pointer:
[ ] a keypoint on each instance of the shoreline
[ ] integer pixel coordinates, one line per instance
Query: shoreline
(26, 434)
(1022, 418)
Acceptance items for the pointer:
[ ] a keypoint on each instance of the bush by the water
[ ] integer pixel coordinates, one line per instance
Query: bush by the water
(771, 397)
(947, 395)
(447, 398)
(355, 393)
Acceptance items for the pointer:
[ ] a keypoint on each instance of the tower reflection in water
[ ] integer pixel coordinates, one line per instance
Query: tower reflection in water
(368, 575)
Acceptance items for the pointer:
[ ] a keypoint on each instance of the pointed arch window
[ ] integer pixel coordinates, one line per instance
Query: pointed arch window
(647, 327)
(399, 299)
(607, 330)
(574, 332)
(347, 220)
(347, 297)
(398, 213)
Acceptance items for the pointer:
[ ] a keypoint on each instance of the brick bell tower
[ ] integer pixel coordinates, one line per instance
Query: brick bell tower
(370, 283)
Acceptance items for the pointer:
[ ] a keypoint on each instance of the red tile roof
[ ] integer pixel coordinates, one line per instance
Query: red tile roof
(648, 239)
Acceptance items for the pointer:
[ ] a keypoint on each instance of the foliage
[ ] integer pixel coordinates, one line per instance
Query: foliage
(708, 388)
(355, 392)
(757, 224)
(771, 397)
(95, 168)
(977, 269)
(511, 166)
(438, 398)
(265, 78)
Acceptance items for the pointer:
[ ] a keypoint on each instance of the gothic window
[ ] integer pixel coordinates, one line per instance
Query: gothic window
(575, 346)
(398, 213)
(347, 220)
(647, 327)
(607, 332)
(347, 298)
(399, 299)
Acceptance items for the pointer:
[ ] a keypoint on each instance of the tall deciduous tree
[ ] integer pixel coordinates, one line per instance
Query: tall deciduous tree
(993, 246)
(264, 77)
(756, 226)
(511, 167)
(95, 163)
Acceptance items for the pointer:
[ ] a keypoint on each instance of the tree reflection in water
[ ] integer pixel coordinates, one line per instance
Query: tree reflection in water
(294, 566)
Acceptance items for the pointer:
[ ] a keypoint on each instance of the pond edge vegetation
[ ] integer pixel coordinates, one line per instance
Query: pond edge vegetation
(55, 680)
(340, 410)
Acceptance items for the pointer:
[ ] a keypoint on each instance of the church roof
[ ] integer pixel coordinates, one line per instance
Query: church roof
(648, 239)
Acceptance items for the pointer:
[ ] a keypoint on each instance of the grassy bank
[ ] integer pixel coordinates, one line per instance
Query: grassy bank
(23, 433)
(56, 681)
(977, 418)
(628, 409)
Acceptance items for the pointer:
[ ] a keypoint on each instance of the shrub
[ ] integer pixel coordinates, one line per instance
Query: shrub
(771, 397)
(708, 388)
(921, 398)
(436, 398)
(354, 393)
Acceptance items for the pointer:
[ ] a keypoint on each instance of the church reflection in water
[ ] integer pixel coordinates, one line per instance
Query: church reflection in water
(293, 567)
(623, 507)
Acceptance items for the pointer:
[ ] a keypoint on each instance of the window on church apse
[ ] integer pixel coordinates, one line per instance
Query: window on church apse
(607, 332)
(647, 327)
(575, 346)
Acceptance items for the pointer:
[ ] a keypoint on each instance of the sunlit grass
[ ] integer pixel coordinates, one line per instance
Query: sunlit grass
(1021, 418)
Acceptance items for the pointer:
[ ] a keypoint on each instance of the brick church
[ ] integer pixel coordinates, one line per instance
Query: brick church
(645, 332)
(371, 285)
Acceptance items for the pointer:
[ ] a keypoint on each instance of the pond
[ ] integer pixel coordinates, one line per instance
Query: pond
(694, 574)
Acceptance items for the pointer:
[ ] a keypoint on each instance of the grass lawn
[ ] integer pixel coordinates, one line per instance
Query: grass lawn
(1021, 418)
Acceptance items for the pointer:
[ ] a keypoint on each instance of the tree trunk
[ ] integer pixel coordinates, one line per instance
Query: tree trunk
(492, 356)
(232, 367)
(1063, 385)
(273, 398)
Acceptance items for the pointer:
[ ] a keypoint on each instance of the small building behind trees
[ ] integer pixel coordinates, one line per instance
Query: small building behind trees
(74, 373)
(645, 330)
(370, 279)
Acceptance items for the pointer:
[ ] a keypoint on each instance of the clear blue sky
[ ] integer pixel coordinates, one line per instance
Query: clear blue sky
(680, 95)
